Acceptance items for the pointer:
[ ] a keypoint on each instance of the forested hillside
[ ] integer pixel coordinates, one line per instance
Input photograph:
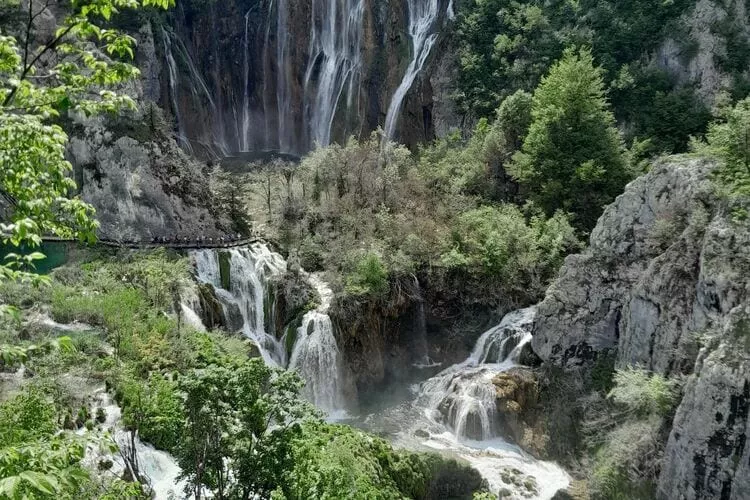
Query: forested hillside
(430, 249)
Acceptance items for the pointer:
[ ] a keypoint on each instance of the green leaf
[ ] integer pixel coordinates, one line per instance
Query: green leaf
(9, 485)
(41, 482)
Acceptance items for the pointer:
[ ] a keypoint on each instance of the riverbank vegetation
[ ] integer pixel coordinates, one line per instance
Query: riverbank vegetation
(234, 425)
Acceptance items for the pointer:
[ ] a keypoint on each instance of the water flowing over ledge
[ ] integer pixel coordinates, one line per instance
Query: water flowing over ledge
(241, 279)
(455, 412)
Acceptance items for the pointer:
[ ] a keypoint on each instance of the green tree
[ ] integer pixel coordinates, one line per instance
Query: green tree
(239, 425)
(730, 140)
(572, 158)
(72, 71)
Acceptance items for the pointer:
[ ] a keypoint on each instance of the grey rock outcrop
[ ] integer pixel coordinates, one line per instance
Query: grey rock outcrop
(611, 296)
(665, 285)
(707, 456)
(142, 189)
(130, 169)
(692, 58)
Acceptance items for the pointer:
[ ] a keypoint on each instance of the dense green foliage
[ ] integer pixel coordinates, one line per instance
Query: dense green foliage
(375, 217)
(74, 71)
(333, 461)
(236, 426)
(572, 156)
(729, 138)
(507, 45)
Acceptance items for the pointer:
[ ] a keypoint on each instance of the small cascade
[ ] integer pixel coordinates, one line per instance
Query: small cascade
(463, 395)
(240, 279)
(316, 355)
(159, 467)
(421, 347)
(244, 292)
(423, 17)
(335, 63)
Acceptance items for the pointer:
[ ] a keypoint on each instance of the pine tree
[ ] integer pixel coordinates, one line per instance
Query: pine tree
(572, 157)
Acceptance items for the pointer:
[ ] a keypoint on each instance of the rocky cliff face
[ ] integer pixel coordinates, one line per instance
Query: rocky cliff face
(286, 74)
(714, 33)
(128, 166)
(665, 285)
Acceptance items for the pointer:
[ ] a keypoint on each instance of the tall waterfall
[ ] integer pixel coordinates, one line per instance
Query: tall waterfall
(335, 63)
(283, 78)
(174, 51)
(463, 395)
(423, 17)
(173, 82)
(246, 117)
(315, 354)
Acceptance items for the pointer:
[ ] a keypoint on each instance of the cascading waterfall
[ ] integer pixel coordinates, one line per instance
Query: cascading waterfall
(244, 142)
(173, 89)
(455, 414)
(315, 354)
(423, 17)
(159, 468)
(267, 100)
(463, 395)
(198, 90)
(283, 79)
(251, 268)
(335, 63)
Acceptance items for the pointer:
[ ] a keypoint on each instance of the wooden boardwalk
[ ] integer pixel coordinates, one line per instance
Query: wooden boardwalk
(178, 245)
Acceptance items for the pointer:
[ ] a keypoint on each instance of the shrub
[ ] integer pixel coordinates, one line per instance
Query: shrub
(626, 466)
(27, 416)
(730, 140)
(369, 276)
(498, 243)
(644, 393)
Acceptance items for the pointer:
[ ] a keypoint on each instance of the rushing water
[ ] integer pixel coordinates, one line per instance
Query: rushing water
(335, 63)
(159, 468)
(173, 92)
(244, 301)
(423, 17)
(315, 354)
(455, 412)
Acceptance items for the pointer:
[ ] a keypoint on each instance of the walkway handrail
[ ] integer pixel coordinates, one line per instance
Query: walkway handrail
(185, 245)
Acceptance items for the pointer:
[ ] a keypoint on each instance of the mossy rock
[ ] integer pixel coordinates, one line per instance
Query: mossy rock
(225, 269)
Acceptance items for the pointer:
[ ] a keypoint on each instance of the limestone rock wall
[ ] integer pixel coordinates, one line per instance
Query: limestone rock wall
(665, 285)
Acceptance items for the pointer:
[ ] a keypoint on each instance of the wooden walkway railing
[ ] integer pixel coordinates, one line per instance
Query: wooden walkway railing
(180, 245)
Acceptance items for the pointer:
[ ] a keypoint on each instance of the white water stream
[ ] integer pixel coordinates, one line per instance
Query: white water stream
(160, 468)
(315, 354)
(335, 63)
(423, 17)
(455, 412)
